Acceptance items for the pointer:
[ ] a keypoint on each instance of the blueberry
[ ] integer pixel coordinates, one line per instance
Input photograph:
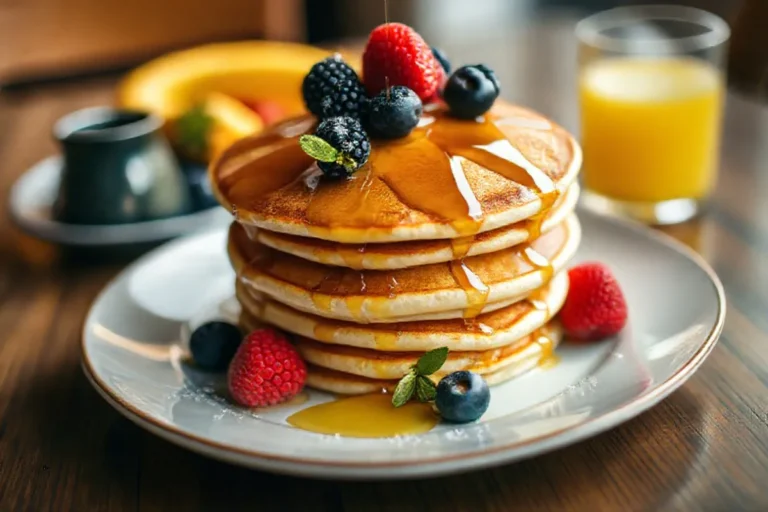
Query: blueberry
(462, 397)
(214, 344)
(442, 59)
(393, 115)
(471, 91)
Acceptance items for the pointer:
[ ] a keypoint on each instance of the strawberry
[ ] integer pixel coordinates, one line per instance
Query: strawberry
(398, 53)
(266, 370)
(595, 307)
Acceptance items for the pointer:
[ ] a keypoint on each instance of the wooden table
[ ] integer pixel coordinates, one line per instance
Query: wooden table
(704, 448)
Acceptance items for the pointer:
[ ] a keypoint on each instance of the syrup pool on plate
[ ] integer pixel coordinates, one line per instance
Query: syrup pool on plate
(370, 415)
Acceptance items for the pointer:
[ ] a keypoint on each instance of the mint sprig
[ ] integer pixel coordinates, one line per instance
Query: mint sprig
(192, 130)
(417, 380)
(322, 151)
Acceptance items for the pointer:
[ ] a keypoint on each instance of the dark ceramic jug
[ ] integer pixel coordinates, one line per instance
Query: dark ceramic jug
(117, 168)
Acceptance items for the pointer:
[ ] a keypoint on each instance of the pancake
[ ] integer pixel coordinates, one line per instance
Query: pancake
(464, 288)
(393, 365)
(419, 252)
(520, 362)
(488, 331)
(449, 178)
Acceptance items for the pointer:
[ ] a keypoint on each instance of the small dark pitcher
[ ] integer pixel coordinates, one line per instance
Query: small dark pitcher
(118, 168)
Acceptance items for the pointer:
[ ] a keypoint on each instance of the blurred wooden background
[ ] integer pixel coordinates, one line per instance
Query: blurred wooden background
(50, 38)
(44, 38)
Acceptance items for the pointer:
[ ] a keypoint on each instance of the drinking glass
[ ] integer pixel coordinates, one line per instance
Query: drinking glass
(651, 88)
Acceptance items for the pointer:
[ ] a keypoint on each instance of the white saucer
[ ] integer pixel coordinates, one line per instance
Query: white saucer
(32, 196)
(134, 356)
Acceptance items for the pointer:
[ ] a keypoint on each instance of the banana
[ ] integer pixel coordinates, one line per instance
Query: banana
(251, 70)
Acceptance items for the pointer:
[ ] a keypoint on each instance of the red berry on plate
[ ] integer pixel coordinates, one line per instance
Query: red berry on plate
(266, 370)
(595, 307)
(398, 53)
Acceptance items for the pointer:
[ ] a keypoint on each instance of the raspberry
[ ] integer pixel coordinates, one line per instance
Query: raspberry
(332, 88)
(266, 370)
(398, 53)
(595, 307)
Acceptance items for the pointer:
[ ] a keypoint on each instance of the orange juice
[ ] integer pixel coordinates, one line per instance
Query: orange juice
(650, 127)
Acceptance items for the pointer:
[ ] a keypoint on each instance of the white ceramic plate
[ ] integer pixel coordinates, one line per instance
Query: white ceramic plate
(33, 194)
(134, 355)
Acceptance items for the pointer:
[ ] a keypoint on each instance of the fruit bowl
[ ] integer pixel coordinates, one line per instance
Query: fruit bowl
(249, 71)
(242, 86)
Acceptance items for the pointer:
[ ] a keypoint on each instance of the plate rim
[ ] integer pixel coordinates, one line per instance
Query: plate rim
(474, 459)
(74, 234)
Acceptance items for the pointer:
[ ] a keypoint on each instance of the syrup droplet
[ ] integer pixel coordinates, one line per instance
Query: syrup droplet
(474, 288)
(392, 286)
(250, 230)
(548, 358)
(537, 299)
(536, 261)
(353, 256)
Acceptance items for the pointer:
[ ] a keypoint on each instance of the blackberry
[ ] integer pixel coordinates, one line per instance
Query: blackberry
(332, 88)
(393, 115)
(471, 91)
(340, 146)
(442, 59)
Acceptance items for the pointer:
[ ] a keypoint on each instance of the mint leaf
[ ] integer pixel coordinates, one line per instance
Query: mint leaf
(404, 390)
(318, 149)
(430, 362)
(347, 161)
(425, 389)
(192, 130)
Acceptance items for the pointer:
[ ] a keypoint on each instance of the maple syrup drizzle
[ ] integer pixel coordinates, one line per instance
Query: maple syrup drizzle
(353, 256)
(474, 288)
(251, 231)
(426, 171)
(538, 300)
(476, 326)
(537, 261)
(548, 358)
(392, 287)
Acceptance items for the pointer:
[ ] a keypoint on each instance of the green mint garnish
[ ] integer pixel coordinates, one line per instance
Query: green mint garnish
(322, 151)
(404, 390)
(416, 381)
(425, 389)
(348, 162)
(192, 130)
(318, 149)
(430, 362)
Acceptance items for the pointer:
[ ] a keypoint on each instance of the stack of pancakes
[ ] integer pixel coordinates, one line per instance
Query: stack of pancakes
(454, 236)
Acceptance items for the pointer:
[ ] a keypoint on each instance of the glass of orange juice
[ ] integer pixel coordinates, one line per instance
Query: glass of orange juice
(651, 87)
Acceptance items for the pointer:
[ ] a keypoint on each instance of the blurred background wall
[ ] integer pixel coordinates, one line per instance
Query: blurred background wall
(52, 37)
(48, 38)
